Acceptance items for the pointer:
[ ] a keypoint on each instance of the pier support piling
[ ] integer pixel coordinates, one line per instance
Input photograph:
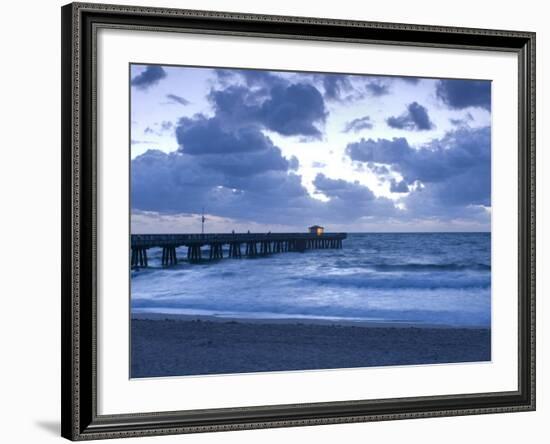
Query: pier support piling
(251, 249)
(169, 256)
(216, 251)
(139, 258)
(194, 253)
(235, 250)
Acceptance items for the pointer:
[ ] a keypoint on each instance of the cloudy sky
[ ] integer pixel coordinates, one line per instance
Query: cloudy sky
(279, 151)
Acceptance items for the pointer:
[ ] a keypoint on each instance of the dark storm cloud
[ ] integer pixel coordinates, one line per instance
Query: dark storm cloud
(460, 162)
(411, 80)
(456, 169)
(236, 151)
(224, 75)
(351, 200)
(179, 183)
(379, 151)
(166, 125)
(459, 94)
(342, 189)
(348, 87)
(464, 121)
(182, 183)
(159, 128)
(398, 187)
(293, 110)
(377, 87)
(379, 170)
(290, 110)
(262, 78)
(414, 119)
(361, 123)
(293, 163)
(246, 164)
(235, 105)
(202, 135)
(149, 77)
(167, 182)
(419, 116)
(173, 98)
(336, 86)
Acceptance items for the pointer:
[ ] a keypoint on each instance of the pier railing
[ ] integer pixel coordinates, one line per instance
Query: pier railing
(255, 244)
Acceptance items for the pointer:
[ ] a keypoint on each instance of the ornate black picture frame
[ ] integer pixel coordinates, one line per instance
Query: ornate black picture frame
(80, 420)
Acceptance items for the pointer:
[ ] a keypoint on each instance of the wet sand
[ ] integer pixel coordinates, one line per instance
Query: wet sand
(164, 345)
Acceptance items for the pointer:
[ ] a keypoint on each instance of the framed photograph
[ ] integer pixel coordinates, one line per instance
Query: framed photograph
(281, 221)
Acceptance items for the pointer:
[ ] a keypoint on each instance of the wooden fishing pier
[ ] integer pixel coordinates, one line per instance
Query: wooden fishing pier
(245, 245)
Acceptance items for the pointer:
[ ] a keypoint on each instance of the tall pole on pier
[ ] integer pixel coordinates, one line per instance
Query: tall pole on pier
(202, 221)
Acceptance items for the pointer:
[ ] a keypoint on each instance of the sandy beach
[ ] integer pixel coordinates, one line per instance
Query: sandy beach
(164, 345)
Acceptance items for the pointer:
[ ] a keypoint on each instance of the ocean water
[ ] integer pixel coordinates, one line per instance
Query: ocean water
(424, 278)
